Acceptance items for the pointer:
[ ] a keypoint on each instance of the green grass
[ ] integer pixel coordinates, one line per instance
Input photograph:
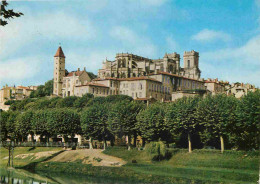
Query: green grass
(200, 166)
(23, 150)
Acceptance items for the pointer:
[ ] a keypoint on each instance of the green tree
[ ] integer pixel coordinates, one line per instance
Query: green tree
(94, 122)
(11, 125)
(40, 123)
(181, 117)
(82, 102)
(151, 123)
(7, 14)
(64, 122)
(66, 102)
(43, 90)
(216, 115)
(117, 98)
(122, 119)
(156, 149)
(48, 87)
(3, 120)
(24, 125)
(54, 101)
(248, 117)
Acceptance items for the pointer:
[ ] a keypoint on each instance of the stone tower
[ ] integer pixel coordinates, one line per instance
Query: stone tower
(59, 72)
(191, 64)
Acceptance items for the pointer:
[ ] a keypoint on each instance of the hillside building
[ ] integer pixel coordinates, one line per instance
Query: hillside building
(138, 77)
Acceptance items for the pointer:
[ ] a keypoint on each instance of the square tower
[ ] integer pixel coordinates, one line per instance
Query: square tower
(191, 64)
(59, 72)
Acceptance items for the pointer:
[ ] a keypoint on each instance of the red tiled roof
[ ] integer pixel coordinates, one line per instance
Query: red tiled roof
(175, 75)
(93, 84)
(107, 78)
(192, 79)
(59, 53)
(216, 82)
(166, 73)
(138, 78)
(22, 87)
(77, 73)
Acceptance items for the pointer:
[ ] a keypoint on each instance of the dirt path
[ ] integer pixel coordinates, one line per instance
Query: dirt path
(87, 156)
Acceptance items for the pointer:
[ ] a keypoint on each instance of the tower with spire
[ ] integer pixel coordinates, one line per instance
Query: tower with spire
(59, 72)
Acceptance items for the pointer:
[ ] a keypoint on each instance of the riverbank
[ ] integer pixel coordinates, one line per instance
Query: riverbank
(201, 166)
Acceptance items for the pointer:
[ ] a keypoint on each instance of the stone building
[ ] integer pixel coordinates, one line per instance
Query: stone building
(214, 86)
(139, 77)
(73, 79)
(59, 72)
(64, 82)
(240, 89)
(129, 65)
(15, 92)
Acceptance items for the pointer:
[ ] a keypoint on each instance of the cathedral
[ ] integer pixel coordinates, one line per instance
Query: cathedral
(129, 65)
(136, 76)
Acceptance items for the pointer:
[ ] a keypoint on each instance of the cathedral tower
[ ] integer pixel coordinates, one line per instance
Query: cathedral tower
(59, 72)
(191, 64)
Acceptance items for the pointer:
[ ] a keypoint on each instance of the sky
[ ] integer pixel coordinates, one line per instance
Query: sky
(225, 33)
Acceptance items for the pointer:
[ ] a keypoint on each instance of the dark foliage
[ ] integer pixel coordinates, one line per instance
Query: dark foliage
(6, 14)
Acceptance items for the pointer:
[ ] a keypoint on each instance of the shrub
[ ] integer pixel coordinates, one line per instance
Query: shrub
(156, 149)
(9, 102)
(97, 159)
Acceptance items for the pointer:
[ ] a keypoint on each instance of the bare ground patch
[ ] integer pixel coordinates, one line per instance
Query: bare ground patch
(88, 156)
(34, 156)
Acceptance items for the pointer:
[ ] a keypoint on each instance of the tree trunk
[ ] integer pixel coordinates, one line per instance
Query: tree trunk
(143, 142)
(189, 141)
(32, 138)
(222, 144)
(112, 142)
(135, 138)
(9, 158)
(129, 142)
(90, 143)
(105, 144)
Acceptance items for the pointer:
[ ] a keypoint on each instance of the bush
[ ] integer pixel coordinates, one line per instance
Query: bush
(156, 149)
(9, 102)
(97, 159)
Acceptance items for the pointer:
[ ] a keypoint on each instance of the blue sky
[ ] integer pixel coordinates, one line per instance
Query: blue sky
(225, 33)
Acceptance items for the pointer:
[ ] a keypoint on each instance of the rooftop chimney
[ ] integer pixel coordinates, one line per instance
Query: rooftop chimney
(78, 69)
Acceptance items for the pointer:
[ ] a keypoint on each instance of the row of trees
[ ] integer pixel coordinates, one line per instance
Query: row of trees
(78, 103)
(49, 123)
(219, 121)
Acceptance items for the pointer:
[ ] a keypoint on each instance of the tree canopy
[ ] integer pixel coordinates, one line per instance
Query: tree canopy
(6, 14)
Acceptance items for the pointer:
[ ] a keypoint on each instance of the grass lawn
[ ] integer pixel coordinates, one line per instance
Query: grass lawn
(208, 166)
(199, 167)
(23, 150)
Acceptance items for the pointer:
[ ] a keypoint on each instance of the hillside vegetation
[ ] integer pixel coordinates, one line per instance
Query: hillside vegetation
(219, 121)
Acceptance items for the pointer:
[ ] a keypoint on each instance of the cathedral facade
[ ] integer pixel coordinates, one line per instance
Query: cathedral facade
(138, 77)
(129, 65)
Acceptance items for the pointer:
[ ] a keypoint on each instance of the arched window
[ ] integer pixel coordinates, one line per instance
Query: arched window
(140, 86)
(188, 63)
(124, 63)
(171, 68)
